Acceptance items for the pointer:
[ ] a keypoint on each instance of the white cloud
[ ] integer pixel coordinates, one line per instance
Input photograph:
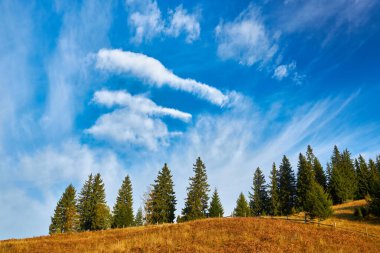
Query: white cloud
(137, 103)
(153, 72)
(146, 21)
(286, 70)
(127, 127)
(246, 39)
(181, 21)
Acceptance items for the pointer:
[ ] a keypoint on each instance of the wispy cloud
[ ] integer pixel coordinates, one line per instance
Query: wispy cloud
(183, 22)
(137, 123)
(154, 73)
(137, 103)
(246, 39)
(146, 21)
(124, 127)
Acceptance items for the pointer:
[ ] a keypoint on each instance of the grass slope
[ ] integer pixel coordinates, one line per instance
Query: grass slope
(214, 235)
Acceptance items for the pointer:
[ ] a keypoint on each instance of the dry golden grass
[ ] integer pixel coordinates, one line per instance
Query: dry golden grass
(211, 235)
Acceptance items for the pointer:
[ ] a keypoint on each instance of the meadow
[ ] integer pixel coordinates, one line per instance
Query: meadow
(217, 235)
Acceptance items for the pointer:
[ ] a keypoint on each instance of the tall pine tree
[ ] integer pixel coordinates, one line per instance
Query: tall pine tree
(305, 176)
(362, 176)
(65, 219)
(163, 198)
(242, 208)
(287, 187)
(85, 205)
(216, 208)
(317, 204)
(342, 182)
(259, 198)
(197, 193)
(123, 210)
(373, 178)
(101, 216)
(274, 202)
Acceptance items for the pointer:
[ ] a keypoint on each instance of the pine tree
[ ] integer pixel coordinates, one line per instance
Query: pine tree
(101, 216)
(65, 219)
(85, 207)
(56, 225)
(317, 204)
(123, 211)
(378, 164)
(287, 187)
(373, 178)
(197, 193)
(342, 182)
(274, 202)
(242, 208)
(310, 156)
(305, 176)
(259, 198)
(163, 198)
(363, 177)
(216, 208)
(320, 175)
(139, 218)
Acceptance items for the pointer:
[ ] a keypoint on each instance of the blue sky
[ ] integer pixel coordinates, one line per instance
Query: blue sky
(121, 87)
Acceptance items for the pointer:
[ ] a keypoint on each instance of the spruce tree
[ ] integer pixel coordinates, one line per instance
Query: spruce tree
(163, 198)
(216, 208)
(148, 207)
(259, 198)
(320, 176)
(85, 205)
(305, 176)
(242, 208)
(101, 216)
(363, 177)
(139, 218)
(65, 219)
(317, 204)
(123, 210)
(378, 164)
(342, 183)
(197, 193)
(56, 225)
(287, 187)
(373, 178)
(274, 202)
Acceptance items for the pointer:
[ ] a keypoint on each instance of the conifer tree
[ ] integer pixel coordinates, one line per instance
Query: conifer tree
(317, 204)
(242, 208)
(101, 216)
(163, 198)
(374, 177)
(197, 193)
(342, 183)
(216, 208)
(259, 198)
(287, 187)
(310, 155)
(363, 177)
(85, 205)
(320, 176)
(305, 176)
(139, 218)
(378, 164)
(65, 219)
(274, 202)
(123, 210)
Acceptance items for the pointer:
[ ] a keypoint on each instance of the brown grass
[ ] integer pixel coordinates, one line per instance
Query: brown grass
(211, 235)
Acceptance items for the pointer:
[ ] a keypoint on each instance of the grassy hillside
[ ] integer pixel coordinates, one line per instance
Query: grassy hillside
(213, 235)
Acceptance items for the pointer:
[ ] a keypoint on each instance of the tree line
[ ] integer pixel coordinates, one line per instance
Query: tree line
(313, 191)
